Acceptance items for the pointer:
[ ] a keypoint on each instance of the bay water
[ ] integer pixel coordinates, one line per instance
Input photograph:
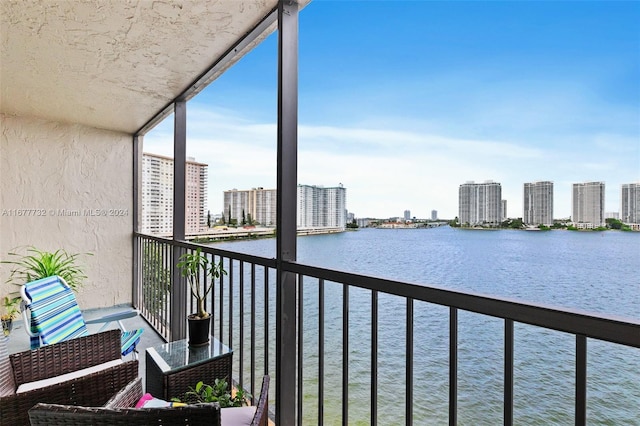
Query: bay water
(596, 272)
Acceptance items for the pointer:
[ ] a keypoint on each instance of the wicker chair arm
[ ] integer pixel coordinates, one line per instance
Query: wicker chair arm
(261, 417)
(65, 357)
(59, 415)
(128, 397)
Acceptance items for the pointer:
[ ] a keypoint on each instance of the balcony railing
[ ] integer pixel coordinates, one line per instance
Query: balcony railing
(333, 304)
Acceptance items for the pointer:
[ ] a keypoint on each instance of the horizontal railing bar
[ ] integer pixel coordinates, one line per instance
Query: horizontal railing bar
(625, 331)
(258, 260)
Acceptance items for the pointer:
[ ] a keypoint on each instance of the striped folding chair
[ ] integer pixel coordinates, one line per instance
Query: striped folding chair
(51, 315)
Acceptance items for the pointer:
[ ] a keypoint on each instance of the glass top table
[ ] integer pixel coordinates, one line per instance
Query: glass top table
(175, 367)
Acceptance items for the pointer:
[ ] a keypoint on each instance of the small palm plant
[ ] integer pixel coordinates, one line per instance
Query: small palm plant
(38, 264)
(201, 273)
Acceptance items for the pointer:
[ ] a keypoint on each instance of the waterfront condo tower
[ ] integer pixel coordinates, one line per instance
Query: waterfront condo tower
(538, 203)
(480, 203)
(630, 203)
(320, 207)
(588, 204)
(157, 195)
(258, 204)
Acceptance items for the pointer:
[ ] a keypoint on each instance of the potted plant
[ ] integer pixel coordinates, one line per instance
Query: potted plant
(201, 274)
(219, 393)
(36, 264)
(10, 311)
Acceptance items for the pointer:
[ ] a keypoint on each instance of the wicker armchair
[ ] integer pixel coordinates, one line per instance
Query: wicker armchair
(118, 411)
(261, 418)
(55, 360)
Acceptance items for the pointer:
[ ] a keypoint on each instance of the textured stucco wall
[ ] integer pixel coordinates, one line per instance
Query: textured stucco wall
(69, 186)
(134, 56)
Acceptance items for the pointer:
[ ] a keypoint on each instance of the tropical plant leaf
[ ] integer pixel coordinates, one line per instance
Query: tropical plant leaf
(201, 274)
(219, 393)
(36, 264)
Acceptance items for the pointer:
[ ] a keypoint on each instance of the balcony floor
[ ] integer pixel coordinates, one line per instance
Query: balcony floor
(19, 341)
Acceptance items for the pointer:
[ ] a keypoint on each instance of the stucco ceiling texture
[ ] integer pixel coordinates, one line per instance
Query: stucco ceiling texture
(112, 64)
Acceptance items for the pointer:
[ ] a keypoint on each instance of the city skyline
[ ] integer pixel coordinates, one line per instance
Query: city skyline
(259, 201)
(445, 92)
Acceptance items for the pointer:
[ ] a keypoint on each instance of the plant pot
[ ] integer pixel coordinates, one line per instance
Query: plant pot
(199, 330)
(7, 326)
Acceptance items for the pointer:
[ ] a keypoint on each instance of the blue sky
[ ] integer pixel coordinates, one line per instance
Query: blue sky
(403, 101)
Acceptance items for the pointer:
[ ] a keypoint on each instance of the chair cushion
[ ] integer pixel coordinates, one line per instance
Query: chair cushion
(148, 401)
(237, 416)
(25, 387)
(7, 382)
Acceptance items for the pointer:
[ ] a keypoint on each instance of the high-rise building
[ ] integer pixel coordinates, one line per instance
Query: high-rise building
(257, 204)
(434, 215)
(504, 210)
(480, 203)
(407, 215)
(195, 196)
(322, 207)
(157, 195)
(630, 203)
(588, 204)
(538, 203)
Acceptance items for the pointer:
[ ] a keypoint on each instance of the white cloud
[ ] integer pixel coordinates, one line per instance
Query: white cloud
(389, 170)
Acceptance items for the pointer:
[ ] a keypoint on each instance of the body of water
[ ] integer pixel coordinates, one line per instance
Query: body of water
(591, 271)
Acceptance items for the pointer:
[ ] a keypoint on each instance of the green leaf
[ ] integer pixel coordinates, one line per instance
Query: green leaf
(36, 264)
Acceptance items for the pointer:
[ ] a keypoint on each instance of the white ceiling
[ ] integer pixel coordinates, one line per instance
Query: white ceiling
(113, 64)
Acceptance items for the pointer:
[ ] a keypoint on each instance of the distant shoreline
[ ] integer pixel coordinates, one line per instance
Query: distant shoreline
(251, 233)
(219, 234)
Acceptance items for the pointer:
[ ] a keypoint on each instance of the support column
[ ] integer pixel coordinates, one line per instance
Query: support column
(178, 294)
(135, 213)
(287, 190)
